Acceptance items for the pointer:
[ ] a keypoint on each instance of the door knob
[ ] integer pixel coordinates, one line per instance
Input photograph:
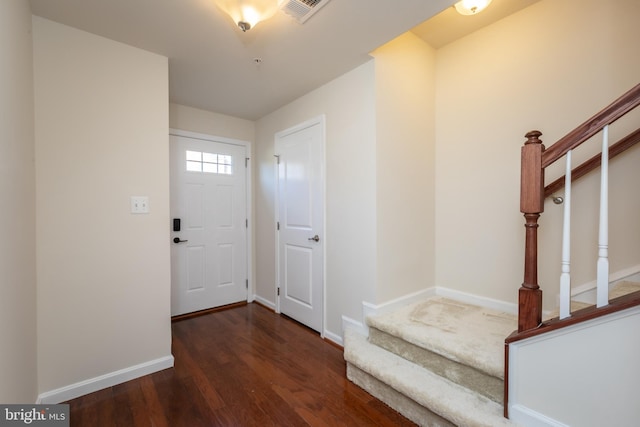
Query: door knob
(315, 238)
(177, 240)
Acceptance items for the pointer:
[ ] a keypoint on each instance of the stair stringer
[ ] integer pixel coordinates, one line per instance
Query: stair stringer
(585, 374)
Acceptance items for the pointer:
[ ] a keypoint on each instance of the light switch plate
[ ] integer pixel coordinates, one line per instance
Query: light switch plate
(139, 204)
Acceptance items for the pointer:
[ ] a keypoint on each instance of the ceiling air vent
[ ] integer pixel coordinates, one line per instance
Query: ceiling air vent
(301, 10)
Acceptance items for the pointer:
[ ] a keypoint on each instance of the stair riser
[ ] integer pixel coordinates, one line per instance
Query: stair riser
(466, 376)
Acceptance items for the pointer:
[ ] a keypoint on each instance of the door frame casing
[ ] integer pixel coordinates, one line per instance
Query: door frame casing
(318, 120)
(248, 194)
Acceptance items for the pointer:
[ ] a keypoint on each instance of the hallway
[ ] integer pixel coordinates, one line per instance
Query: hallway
(245, 366)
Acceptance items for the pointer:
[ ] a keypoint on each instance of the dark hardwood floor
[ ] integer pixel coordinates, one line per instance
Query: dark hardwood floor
(245, 366)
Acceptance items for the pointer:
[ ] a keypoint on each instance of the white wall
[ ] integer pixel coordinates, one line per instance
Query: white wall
(101, 128)
(405, 182)
(348, 103)
(548, 67)
(17, 197)
(209, 123)
(380, 180)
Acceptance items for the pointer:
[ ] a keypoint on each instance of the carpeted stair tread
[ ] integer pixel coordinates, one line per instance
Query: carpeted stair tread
(617, 290)
(575, 306)
(394, 399)
(623, 288)
(460, 406)
(465, 333)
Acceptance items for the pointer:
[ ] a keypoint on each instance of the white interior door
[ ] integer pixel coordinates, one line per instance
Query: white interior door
(209, 245)
(301, 222)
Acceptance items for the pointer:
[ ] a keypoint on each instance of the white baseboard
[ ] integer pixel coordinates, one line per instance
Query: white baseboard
(485, 302)
(352, 324)
(265, 302)
(528, 417)
(333, 338)
(103, 381)
(369, 309)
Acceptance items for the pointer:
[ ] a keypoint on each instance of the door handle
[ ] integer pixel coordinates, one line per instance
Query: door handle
(177, 240)
(314, 238)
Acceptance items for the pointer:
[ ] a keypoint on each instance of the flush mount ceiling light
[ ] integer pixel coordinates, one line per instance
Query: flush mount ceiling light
(247, 13)
(471, 7)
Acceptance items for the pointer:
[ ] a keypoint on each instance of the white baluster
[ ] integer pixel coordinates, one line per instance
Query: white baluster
(565, 277)
(602, 278)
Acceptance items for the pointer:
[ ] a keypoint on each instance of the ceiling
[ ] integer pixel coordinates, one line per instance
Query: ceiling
(213, 64)
(449, 25)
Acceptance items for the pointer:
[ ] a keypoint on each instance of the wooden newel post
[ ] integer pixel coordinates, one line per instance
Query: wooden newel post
(531, 205)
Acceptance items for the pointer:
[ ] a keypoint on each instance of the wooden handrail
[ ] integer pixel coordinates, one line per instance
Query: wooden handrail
(594, 162)
(588, 313)
(535, 158)
(608, 115)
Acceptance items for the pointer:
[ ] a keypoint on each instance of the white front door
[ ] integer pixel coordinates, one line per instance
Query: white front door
(209, 224)
(301, 222)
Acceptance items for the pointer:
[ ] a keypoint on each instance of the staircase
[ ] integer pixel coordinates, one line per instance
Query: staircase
(579, 342)
(439, 362)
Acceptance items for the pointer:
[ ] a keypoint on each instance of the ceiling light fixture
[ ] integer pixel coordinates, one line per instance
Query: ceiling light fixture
(247, 13)
(471, 7)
